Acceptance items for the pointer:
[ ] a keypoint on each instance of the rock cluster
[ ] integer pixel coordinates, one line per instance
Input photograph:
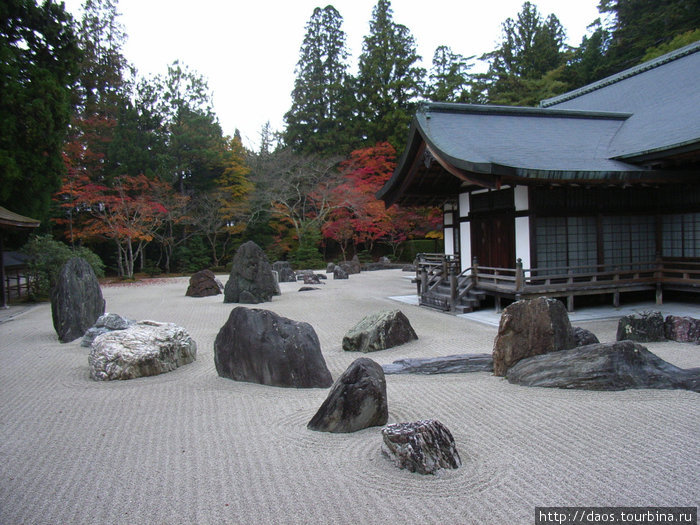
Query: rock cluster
(357, 400)
(251, 280)
(259, 346)
(204, 284)
(424, 446)
(143, 349)
(285, 274)
(531, 327)
(76, 300)
(379, 331)
(339, 273)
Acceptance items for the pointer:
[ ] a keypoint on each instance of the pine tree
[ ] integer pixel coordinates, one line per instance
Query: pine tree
(317, 122)
(449, 77)
(389, 80)
(38, 67)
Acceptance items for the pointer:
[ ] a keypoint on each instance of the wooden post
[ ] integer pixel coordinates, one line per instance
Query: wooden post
(659, 275)
(616, 294)
(497, 303)
(519, 276)
(423, 281)
(453, 288)
(3, 297)
(475, 272)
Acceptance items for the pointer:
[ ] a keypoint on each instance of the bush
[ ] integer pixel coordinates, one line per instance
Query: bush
(192, 257)
(307, 255)
(47, 256)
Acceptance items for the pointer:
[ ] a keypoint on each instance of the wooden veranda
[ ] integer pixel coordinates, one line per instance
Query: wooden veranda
(442, 284)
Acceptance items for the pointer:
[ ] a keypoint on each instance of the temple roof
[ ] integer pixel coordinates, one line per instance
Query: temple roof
(601, 133)
(11, 219)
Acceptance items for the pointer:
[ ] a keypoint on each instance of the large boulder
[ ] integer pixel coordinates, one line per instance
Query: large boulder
(204, 284)
(259, 346)
(646, 327)
(285, 274)
(379, 331)
(603, 366)
(251, 280)
(531, 327)
(357, 400)
(682, 329)
(76, 300)
(424, 446)
(449, 364)
(146, 348)
(108, 322)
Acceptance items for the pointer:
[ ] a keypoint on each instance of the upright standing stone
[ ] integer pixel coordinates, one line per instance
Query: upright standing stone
(260, 346)
(646, 327)
(76, 300)
(251, 280)
(357, 400)
(528, 328)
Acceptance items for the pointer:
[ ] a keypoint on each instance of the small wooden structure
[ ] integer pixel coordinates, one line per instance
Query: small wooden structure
(10, 221)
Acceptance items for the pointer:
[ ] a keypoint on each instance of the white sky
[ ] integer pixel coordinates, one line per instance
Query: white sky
(247, 49)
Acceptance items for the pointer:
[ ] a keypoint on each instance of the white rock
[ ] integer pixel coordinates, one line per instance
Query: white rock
(144, 349)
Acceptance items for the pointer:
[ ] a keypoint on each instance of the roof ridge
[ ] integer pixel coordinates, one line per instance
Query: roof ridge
(617, 77)
(452, 107)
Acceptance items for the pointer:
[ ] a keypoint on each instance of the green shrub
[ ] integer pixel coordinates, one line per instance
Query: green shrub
(47, 256)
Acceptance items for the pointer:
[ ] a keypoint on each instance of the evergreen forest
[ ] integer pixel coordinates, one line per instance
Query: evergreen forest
(138, 170)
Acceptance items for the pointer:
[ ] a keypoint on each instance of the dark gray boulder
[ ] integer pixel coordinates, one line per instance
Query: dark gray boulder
(105, 323)
(259, 346)
(449, 364)
(379, 331)
(353, 266)
(308, 289)
(646, 327)
(682, 329)
(204, 284)
(584, 337)
(284, 271)
(312, 278)
(330, 267)
(424, 446)
(251, 280)
(603, 366)
(531, 327)
(357, 400)
(76, 300)
(339, 273)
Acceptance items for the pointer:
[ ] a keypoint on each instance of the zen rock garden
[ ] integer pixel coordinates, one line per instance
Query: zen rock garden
(535, 346)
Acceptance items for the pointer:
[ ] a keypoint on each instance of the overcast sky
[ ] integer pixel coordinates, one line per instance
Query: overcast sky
(247, 50)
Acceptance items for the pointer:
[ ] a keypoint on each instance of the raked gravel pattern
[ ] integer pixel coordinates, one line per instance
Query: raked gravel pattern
(191, 447)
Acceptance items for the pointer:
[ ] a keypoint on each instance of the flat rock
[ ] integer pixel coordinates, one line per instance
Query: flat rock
(449, 364)
(251, 280)
(646, 327)
(259, 346)
(145, 348)
(603, 366)
(356, 400)
(76, 300)
(379, 331)
(425, 446)
(531, 327)
(204, 284)
(108, 322)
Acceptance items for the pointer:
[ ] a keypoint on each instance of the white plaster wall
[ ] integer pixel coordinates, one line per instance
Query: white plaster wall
(522, 240)
(449, 241)
(464, 205)
(521, 198)
(465, 245)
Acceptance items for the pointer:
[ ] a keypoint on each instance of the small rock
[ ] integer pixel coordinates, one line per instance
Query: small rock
(424, 446)
(105, 323)
(330, 267)
(204, 284)
(339, 273)
(284, 271)
(584, 337)
(357, 400)
(647, 327)
(682, 329)
(307, 289)
(379, 331)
